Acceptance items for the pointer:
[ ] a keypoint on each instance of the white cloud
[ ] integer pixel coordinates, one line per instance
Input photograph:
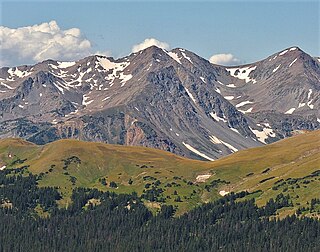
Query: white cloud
(30, 44)
(225, 59)
(150, 42)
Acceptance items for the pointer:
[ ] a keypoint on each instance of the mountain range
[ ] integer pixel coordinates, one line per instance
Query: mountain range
(170, 100)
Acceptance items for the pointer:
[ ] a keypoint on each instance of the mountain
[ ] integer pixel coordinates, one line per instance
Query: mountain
(290, 166)
(170, 100)
(281, 90)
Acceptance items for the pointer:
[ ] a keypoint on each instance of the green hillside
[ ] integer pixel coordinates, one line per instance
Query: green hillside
(290, 166)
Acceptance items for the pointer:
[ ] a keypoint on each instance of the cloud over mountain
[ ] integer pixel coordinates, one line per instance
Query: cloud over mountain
(30, 44)
(226, 59)
(150, 42)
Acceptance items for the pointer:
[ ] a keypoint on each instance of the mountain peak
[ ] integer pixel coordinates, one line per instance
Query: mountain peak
(150, 49)
(287, 53)
(173, 100)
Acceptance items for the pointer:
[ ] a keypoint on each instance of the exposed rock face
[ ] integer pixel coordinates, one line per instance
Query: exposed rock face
(175, 101)
(287, 82)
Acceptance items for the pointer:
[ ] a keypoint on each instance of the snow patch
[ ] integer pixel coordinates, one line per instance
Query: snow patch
(104, 99)
(17, 72)
(59, 86)
(124, 78)
(231, 85)
(264, 134)
(283, 53)
(202, 79)
(293, 62)
(243, 103)
(117, 70)
(106, 63)
(242, 73)
(174, 56)
(229, 98)
(274, 70)
(310, 101)
(53, 66)
(3, 167)
(189, 147)
(217, 90)
(66, 64)
(310, 105)
(290, 111)
(6, 85)
(232, 148)
(301, 105)
(135, 120)
(85, 99)
(216, 140)
(246, 111)
(72, 113)
(186, 57)
(190, 95)
(216, 117)
(309, 93)
(235, 130)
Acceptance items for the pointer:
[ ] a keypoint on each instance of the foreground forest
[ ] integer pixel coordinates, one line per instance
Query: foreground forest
(104, 221)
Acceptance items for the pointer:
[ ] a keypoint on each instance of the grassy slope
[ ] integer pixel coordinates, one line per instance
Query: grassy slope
(294, 157)
(115, 163)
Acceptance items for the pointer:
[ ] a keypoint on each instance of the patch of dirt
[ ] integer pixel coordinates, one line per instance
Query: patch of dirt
(202, 178)
(223, 193)
(6, 204)
(93, 202)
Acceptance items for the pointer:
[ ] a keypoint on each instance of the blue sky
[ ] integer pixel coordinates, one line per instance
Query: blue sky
(249, 30)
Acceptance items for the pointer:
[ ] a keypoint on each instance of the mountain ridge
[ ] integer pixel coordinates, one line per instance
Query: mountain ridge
(171, 100)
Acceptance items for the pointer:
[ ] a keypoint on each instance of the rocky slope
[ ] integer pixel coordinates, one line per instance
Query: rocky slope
(282, 90)
(175, 101)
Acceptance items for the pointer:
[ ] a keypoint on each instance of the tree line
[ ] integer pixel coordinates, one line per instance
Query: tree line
(106, 221)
